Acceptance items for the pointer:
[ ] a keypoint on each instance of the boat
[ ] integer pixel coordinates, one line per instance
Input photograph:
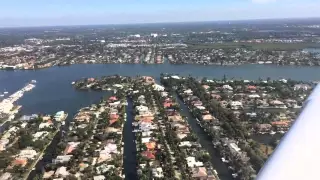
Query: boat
(272, 133)
(6, 92)
(33, 81)
(215, 172)
(1, 95)
(235, 175)
(73, 83)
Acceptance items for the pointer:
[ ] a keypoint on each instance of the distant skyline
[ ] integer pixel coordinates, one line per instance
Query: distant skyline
(19, 13)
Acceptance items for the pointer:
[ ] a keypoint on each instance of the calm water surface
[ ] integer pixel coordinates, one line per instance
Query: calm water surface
(54, 92)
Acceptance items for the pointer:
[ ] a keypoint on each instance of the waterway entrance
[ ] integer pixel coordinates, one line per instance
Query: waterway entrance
(206, 143)
(130, 160)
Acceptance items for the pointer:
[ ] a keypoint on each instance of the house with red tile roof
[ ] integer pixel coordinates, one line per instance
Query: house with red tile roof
(251, 88)
(113, 98)
(148, 154)
(206, 87)
(19, 162)
(199, 173)
(150, 145)
(207, 117)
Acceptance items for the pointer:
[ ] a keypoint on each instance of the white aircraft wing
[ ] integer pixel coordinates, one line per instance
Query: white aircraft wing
(297, 157)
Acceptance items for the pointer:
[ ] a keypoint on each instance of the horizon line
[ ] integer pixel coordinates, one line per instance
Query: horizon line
(162, 22)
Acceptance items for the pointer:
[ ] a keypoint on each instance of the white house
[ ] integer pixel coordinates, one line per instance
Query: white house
(158, 87)
(236, 105)
(175, 77)
(185, 144)
(62, 159)
(157, 172)
(227, 87)
(142, 108)
(193, 163)
(61, 171)
(45, 125)
(188, 91)
(27, 153)
(40, 135)
(145, 139)
(101, 177)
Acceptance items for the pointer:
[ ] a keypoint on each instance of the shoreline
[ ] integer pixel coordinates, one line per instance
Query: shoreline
(173, 64)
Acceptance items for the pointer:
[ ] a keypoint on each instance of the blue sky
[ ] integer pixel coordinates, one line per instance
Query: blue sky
(81, 12)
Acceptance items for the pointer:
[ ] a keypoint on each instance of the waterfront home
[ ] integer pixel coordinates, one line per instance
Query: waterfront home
(182, 135)
(28, 118)
(104, 155)
(206, 87)
(100, 177)
(262, 128)
(148, 80)
(227, 87)
(45, 125)
(303, 87)
(114, 104)
(157, 87)
(27, 153)
(191, 161)
(196, 103)
(22, 162)
(145, 139)
(48, 174)
(281, 124)
(112, 99)
(253, 96)
(167, 104)
(216, 96)
(188, 92)
(201, 107)
(185, 144)
(146, 133)
(235, 105)
(207, 118)
(61, 172)
(175, 118)
(104, 168)
(6, 176)
(120, 86)
(71, 146)
(157, 172)
(251, 88)
(62, 159)
(150, 145)
(148, 154)
(3, 144)
(60, 116)
(164, 94)
(40, 135)
(199, 173)
(112, 130)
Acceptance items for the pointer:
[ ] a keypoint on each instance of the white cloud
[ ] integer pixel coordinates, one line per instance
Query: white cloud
(263, 1)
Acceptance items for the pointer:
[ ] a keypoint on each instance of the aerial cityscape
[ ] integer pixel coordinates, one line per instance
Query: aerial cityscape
(156, 95)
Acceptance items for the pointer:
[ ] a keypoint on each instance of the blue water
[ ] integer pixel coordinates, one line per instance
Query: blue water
(54, 92)
(130, 159)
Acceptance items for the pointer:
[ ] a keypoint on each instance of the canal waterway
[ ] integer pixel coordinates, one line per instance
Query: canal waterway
(206, 143)
(54, 92)
(130, 159)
